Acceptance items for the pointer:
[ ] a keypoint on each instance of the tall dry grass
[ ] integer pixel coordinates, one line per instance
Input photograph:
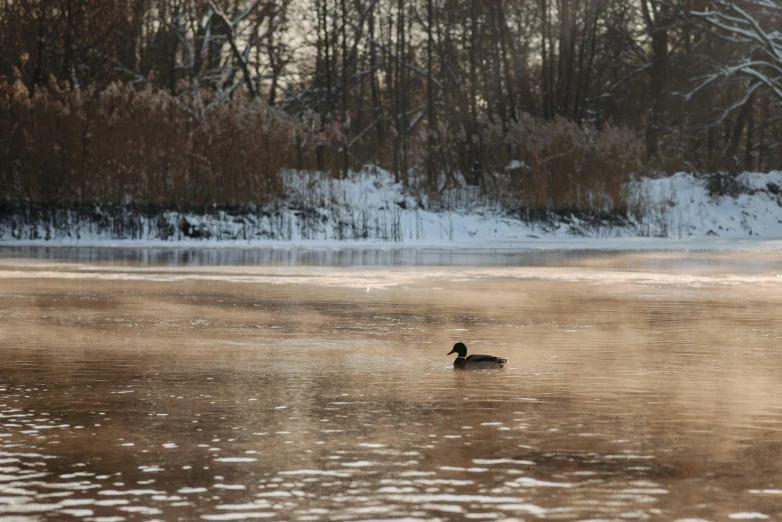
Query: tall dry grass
(557, 165)
(122, 145)
(142, 147)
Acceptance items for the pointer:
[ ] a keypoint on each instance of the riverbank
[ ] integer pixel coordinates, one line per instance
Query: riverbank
(370, 209)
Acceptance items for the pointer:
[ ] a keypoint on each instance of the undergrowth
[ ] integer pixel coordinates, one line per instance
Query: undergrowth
(63, 148)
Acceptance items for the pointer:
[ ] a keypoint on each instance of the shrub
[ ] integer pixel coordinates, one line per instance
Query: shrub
(122, 145)
(564, 167)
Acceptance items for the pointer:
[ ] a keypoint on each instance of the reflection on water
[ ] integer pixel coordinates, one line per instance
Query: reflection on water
(332, 257)
(683, 261)
(634, 391)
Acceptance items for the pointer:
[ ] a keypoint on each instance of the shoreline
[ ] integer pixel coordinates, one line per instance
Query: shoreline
(499, 246)
(369, 210)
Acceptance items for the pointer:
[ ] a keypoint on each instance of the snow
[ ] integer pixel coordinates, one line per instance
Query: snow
(680, 206)
(370, 209)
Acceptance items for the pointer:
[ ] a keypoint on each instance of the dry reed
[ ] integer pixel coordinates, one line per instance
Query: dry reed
(121, 146)
(143, 147)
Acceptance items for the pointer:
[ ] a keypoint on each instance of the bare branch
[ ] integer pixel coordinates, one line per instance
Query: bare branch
(389, 52)
(747, 95)
(240, 57)
(745, 29)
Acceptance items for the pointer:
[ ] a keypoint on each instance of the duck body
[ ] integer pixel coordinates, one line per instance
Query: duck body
(475, 361)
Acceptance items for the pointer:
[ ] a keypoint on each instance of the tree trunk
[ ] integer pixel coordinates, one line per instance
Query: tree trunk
(327, 55)
(496, 54)
(585, 69)
(377, 110)
(560, 98)
(431, 169)
(345, 116)
(659, 76)
(38, 73)
(748, 159)
(548, 62)
(273, 64)
(762, 137)
(509, 83)
(474, 167)
(404, 88)
(570, 65)
(738, 129)
(69, 66)
(392, 80)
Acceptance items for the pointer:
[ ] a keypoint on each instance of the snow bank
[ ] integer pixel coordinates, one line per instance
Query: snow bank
(370, 206)
(681, 206)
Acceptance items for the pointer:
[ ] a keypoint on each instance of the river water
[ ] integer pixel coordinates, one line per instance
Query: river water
(315, 386)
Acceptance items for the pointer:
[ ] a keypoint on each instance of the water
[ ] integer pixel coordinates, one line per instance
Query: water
(641, 386)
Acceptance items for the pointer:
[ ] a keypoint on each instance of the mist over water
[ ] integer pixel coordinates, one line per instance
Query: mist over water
(241, 385)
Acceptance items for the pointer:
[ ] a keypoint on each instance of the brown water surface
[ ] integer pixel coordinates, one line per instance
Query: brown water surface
(639, 387)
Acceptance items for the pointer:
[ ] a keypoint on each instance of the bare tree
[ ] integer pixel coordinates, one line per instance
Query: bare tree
(759, 60)
(750, 29)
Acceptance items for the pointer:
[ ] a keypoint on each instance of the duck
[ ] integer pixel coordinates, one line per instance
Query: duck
(476, 360)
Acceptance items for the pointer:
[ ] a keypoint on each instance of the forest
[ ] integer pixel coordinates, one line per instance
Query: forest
(550, 104)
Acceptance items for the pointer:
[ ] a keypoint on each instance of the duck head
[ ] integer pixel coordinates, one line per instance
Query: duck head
(460, 349)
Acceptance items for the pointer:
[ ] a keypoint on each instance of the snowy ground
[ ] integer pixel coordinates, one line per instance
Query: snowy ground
(370, 209)
(680, 206)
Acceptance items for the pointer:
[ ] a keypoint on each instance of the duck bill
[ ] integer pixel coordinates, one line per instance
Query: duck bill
(452, 351)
